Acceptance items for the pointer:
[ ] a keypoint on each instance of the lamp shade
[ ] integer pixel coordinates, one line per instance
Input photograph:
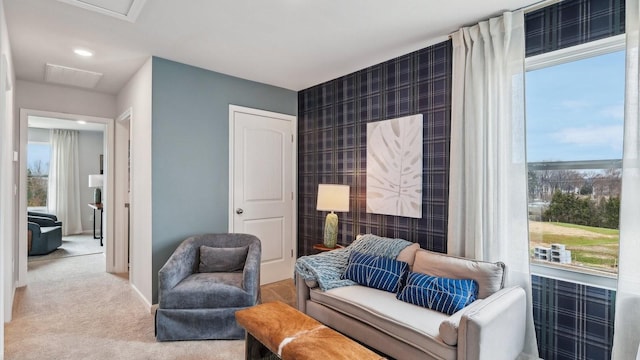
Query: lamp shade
(333, 197)
(96, 180)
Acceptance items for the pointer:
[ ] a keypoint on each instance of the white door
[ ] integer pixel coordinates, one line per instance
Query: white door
(262, 180)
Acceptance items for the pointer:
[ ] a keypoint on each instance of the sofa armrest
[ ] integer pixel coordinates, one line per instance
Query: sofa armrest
(496, 328)
(302, 292)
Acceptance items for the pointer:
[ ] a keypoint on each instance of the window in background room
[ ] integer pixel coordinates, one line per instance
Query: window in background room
(38, 155)
(575, 115)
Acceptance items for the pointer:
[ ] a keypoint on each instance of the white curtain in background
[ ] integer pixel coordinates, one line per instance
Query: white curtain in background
(488, 178)
(63, 196)
(626, 333)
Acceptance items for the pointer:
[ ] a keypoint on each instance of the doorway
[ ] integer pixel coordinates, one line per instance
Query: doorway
(262, 180)
(107, 161)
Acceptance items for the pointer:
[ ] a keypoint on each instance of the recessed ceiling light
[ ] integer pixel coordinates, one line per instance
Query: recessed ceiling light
(83, 52)
(81, 122)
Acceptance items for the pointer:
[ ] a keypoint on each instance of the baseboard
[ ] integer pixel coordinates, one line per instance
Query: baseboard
(144, 301)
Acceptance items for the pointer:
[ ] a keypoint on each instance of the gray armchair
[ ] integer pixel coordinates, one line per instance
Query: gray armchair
(203, 283)
(43, 237)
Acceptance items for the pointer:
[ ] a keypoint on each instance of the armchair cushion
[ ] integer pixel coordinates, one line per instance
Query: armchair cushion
(208, 291)
(214, 259)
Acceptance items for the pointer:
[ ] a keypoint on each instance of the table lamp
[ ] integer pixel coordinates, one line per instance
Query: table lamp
(96, 181)
(332, 198)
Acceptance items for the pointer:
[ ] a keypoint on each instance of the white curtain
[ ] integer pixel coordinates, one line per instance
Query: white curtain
(626, 336)
(63, 196)
(488, 178)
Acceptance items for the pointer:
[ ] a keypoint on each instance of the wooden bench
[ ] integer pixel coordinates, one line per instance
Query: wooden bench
(292, 335)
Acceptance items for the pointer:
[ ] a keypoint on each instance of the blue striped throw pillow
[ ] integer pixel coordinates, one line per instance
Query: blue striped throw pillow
(376, 271)
(440, 294)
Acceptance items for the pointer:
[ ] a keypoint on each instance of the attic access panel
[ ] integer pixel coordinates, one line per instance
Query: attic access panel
(121, 9)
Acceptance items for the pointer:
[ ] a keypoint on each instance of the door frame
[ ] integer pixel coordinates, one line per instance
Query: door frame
(294, 168)
(110, 239)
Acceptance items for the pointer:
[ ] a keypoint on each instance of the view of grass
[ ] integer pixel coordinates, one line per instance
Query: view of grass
(590, 246)
(598, 230)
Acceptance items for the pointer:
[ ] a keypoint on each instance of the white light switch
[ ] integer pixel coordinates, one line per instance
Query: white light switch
(15, 156)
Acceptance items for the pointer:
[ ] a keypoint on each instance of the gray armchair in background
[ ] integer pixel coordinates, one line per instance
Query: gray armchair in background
(203, 283)
(43, 237)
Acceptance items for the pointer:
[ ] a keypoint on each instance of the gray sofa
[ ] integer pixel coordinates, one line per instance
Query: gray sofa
(492, 327)
(203, 283)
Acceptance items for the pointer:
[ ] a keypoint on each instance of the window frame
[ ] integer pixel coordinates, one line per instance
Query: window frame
(558, 57)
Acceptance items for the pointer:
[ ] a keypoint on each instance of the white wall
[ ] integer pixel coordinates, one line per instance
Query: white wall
(136, 95)
(7, 179)
(45, 97)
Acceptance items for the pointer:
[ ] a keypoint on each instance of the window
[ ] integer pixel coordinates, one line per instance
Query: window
(574, 102)
(38, 155)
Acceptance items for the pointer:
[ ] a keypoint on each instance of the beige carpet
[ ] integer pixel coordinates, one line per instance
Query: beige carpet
(73, 245)
(73, 310)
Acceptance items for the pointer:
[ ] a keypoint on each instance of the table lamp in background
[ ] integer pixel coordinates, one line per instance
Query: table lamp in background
(332, 198)
(96, 181)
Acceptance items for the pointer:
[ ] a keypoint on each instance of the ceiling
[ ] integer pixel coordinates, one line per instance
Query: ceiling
(293, 44)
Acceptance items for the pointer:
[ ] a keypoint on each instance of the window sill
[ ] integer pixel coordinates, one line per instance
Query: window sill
(585, 277)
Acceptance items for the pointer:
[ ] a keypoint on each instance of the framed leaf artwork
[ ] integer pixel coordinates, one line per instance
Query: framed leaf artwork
(394, 167)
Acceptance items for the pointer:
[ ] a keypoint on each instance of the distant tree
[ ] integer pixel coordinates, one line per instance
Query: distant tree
(570, 208)
(37, 183)
(609, 213)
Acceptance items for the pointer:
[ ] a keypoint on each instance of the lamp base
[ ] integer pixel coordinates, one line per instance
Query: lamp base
(97, 196)
(330, 230)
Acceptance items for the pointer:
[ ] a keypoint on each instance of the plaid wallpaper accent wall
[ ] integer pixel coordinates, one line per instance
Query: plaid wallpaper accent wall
(573, 321)
(572, 22)
(332, 148)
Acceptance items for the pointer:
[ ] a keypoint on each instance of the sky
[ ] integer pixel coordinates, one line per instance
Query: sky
(575, 110)
(38, 151)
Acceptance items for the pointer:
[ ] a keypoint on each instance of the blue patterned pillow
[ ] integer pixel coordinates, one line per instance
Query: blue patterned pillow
(376, 271)
(440, 294)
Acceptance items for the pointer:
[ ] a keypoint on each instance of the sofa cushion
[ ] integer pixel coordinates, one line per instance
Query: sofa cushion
(441, 294)
(214, 259)
(376, 271)
(489, 276)
(409, 323)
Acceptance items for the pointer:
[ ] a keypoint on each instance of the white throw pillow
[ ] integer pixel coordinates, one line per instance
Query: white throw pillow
(489, 276)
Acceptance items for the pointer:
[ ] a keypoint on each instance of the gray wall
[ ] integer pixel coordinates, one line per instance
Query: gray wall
(90, 146)
(190, 149)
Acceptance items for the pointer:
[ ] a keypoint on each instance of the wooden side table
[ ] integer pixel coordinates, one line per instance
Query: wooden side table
(321, 247)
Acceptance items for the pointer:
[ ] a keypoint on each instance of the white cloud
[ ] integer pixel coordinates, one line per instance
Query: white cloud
(592, 135)
(613, 111)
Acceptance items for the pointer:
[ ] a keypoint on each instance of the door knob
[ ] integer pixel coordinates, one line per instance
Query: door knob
(239, 211)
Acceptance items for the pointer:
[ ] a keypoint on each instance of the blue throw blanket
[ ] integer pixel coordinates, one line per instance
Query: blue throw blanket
(326, 268)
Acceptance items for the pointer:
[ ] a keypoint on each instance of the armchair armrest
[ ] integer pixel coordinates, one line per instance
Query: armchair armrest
(35, 228)
(251, 271)
(496, 328)
(179, 265)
